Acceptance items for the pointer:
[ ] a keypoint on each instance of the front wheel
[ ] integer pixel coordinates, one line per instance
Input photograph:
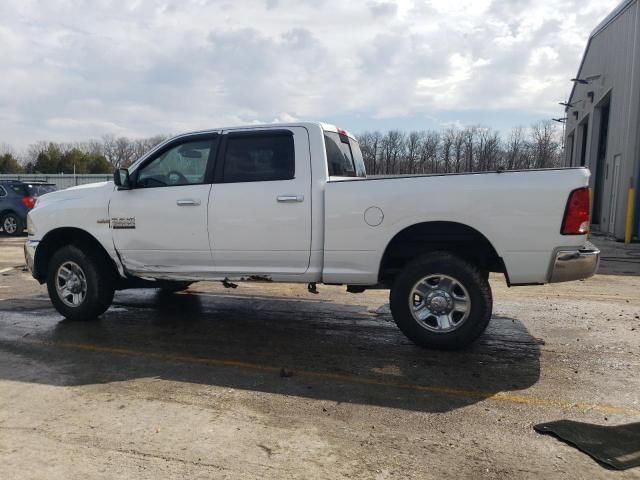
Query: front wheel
(79, 284)
(441, 301)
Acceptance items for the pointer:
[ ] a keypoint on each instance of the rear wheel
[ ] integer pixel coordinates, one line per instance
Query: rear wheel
(12, 225)
(441, 301)
(80, 284)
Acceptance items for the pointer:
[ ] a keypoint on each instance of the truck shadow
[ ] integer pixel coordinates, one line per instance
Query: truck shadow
(308, 348)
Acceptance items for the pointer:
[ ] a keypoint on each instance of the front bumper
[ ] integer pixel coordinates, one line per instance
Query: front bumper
(574, 263)
(30, 253)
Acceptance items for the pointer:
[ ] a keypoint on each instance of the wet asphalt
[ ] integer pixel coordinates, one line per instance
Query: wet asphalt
(271, 381)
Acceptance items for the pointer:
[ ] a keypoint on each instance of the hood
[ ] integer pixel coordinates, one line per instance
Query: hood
(79, 191)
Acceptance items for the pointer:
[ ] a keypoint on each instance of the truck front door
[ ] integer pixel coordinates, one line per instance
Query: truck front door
(159, 226)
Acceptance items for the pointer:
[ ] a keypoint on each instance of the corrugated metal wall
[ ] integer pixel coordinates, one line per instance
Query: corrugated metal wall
(613, 54)
(61, 181)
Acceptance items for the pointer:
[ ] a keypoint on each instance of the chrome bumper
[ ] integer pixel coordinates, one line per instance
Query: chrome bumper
(30, 253)
(574, 264)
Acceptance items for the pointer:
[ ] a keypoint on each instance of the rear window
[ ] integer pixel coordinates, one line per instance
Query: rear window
(344, 157)
(38, 190)
(20, 189)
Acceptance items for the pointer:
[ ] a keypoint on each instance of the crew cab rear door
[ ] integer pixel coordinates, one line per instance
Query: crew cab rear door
(260, 206)
(159, 226)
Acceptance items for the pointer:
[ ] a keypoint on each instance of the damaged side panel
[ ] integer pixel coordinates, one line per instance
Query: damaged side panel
(186, 273)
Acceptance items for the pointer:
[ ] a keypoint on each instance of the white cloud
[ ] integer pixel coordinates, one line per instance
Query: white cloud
(73, 69)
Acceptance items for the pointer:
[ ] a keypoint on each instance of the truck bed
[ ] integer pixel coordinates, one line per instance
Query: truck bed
(519, 212)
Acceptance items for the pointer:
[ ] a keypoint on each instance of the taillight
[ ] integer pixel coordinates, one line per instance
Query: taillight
(576, 215)
(29, 202)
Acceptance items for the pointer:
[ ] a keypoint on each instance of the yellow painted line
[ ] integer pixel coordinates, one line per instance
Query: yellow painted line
(356, 379)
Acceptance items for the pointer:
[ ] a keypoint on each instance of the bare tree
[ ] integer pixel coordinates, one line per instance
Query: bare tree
(515, 151)
(118, 150)
(5, 148)
(124, 151)
(93, 147)
(458, 150)
(545, 146)
(392, 149)
(445, 151)
(370, 144)
(109, 149)
(469, 147)
(142, 146)
(487, 149)
(414, 140)
(35, 149)
(429, 152)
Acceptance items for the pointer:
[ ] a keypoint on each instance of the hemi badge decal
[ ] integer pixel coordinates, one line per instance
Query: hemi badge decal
(123, 223)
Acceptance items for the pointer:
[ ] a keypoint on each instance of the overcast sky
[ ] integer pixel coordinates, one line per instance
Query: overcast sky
(77, 69)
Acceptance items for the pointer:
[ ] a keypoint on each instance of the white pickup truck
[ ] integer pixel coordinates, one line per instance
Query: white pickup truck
(292, 203)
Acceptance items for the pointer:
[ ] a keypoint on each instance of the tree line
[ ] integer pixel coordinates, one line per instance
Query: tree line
(453, 150)
(94, 156)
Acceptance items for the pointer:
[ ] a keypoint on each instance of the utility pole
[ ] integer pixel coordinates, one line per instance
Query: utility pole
(563, 121)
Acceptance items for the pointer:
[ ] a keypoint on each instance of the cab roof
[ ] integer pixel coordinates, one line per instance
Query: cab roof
(328, 127)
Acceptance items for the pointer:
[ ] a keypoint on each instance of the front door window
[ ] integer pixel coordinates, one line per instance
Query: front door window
(184, 164)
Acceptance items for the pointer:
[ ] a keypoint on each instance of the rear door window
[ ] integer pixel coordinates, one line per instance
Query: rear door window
(344, 157)
(259, 157)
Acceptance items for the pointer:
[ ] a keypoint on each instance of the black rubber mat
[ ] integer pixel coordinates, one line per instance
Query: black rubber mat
(616, 446)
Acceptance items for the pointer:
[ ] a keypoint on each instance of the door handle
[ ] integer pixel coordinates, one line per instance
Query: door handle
(291, 198)
(188, 202)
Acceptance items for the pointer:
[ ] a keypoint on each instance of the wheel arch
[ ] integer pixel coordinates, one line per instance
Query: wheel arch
(59, 237)
(7, 211)
(454, 237)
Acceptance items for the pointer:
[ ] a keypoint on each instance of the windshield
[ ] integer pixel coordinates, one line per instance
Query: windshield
(344, 157)
(37, 190)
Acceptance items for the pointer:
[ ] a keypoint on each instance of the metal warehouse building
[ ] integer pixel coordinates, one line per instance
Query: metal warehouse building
(603, 119)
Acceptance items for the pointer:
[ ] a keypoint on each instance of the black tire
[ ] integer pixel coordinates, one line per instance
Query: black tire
(15, 219)
(172, 287)
(98, 276)
(473, 279)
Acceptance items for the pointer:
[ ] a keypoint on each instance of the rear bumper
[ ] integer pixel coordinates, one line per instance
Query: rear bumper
(574, 263)
(30, 253)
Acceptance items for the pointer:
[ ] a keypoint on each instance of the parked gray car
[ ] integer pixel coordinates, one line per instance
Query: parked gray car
(16, 199)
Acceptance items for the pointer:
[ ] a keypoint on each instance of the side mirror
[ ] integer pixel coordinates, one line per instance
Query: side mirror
(121, 179)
